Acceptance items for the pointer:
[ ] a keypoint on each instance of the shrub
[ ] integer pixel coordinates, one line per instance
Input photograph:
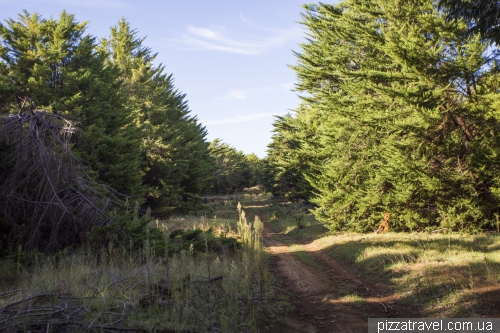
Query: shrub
(198, 240)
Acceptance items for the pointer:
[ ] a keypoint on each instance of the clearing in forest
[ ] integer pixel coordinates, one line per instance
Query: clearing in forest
(310, 280)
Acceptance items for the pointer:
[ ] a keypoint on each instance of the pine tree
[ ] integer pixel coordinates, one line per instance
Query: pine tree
(404, 117)
(52, 65)
(482, 16)
(176, 165)
(287, 162)
(233, 172)
(255, 165)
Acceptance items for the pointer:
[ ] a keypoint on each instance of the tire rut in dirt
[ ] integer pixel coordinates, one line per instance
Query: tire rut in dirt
(317, 307)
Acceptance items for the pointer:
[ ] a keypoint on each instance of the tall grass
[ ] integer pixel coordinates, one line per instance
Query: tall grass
(115, 289)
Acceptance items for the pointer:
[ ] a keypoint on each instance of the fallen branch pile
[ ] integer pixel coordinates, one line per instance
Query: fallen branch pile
(103, 305)
(47, 198)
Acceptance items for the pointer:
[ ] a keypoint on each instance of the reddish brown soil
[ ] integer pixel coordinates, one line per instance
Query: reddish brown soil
(313, 292)
(318, 293)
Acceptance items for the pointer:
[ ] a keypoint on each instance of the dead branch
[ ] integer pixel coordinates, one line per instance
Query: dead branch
(208, 280)
(46, 194)
(385, 307)
(8, 293)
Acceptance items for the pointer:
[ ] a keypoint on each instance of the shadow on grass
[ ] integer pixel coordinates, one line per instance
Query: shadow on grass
(418, 271)
(433, 275)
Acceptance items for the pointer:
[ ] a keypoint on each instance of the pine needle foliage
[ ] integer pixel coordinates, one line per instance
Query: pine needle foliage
(176, 165)
(286, 165)
(234, 170)
(52, 64)
(135, 129)
(482, 16)
(399, 115)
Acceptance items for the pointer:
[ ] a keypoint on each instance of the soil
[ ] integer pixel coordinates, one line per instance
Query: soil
(318, 307)
(332, 296)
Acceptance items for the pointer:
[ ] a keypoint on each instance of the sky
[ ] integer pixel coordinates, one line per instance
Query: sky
(230, 57)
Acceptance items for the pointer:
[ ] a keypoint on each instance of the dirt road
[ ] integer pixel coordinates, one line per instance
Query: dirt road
(330, 296)
(314, 292)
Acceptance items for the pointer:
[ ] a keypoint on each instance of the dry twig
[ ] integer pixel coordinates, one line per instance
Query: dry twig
(45, 190)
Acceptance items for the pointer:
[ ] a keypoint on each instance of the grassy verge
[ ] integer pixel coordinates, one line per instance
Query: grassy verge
(115, 290)
(444, 274)
(294, 220)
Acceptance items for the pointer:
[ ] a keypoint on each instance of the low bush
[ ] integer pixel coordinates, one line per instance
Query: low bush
(197, 240)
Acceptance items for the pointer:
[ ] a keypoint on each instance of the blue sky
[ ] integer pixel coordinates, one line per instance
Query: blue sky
(230, 57)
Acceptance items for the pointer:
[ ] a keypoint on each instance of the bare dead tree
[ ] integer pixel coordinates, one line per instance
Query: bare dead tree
(47, 198)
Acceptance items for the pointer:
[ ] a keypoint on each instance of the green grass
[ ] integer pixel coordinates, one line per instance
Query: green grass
(115, 289)
(358, 301)
(299, 252)
(293, 220)
(82, 290)
(441, 272)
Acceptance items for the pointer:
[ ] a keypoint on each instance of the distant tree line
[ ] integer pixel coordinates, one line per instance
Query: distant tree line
(400, 114)
(234, 170)
(134, 133)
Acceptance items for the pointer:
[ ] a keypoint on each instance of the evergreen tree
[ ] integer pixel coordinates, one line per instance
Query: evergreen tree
(287, 163)
(255, 165)
(233, 172)
(176, 164)
(482, 16)
(52, 65)
(399, 117)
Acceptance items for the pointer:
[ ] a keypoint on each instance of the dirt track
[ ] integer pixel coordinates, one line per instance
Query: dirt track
(313, 292)
(331, 296)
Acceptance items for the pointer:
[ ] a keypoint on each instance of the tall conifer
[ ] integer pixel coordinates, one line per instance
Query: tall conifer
(51, 64)
(233, 169)
(176, 165)
(406, 122)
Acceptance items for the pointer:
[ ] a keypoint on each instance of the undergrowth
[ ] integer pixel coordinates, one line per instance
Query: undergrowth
(208, 278)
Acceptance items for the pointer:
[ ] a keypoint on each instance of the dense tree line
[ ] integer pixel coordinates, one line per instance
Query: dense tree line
(234, 170)
(399, 114)
(134, 128)
(131, 140)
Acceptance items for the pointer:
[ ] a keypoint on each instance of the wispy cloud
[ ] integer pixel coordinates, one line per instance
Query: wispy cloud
(237, 94)
(241, 94)
(289, 85)
(239, 119)
(257, 42)
(91, 3)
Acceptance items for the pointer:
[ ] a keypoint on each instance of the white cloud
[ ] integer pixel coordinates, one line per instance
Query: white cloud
(204, 32)
(235, 94)
(238, 119)
(238, 94)
(219, 39)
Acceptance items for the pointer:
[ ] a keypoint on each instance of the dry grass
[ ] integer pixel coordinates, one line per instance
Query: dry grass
(444, 274)
(117, 290)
